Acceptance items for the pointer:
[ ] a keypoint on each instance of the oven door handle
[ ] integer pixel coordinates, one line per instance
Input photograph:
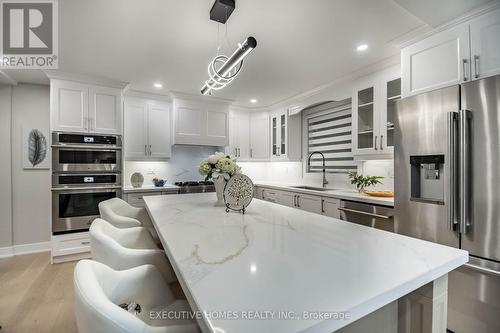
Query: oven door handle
(87, 147)
(86, 188)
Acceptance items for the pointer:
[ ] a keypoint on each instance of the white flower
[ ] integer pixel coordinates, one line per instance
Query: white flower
(213, 159)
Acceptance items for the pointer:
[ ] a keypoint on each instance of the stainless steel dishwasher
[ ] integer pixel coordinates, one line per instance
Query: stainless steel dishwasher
(375, 216)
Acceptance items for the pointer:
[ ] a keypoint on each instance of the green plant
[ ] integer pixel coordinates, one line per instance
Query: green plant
(364, 181)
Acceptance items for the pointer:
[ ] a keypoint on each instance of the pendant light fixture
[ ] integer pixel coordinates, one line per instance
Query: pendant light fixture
(222, 69)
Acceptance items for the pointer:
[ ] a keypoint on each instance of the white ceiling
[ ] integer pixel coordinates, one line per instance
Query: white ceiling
(301, 43)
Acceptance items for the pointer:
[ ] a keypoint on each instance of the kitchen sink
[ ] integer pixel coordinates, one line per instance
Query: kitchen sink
(311, 188)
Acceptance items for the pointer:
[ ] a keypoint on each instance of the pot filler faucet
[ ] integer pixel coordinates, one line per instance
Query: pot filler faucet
(323, 157)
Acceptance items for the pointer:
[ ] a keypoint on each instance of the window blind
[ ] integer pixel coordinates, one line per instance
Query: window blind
(329, 130)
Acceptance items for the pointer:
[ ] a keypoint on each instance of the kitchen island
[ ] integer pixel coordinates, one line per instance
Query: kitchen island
(278, 269)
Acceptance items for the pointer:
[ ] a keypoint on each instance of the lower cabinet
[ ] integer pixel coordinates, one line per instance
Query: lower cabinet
(136, 199)
(330, 207)
(312, 203)
(69, 247)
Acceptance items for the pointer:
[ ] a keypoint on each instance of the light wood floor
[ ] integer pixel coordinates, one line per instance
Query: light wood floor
(36, 296)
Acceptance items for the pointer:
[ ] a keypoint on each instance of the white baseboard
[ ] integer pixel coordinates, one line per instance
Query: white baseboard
(6, 252)
(24, 249)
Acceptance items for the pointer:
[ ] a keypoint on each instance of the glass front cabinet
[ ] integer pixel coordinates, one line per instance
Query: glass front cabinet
(279, 146)
(373, 108)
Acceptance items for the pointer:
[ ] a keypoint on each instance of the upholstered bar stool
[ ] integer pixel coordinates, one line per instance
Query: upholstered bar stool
(127, 248)
(122, 215)
(109, 301)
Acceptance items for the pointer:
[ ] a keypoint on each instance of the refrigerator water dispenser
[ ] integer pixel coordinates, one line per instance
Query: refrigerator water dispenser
(427, 181)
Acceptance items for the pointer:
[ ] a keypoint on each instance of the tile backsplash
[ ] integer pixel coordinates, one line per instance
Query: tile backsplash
(182, 166)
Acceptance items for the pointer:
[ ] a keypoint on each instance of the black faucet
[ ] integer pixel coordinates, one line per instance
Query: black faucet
(322, 156)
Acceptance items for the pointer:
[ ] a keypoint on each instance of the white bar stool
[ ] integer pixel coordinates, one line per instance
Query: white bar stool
(100, 290)
(122, 215)
(127, 248)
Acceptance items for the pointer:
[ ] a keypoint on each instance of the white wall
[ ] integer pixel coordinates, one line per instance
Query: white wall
(5, 168)
(384, 168)
(30, 188)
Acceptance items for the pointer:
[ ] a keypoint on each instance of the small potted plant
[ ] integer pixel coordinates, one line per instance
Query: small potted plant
(364, 181)
(219, 167)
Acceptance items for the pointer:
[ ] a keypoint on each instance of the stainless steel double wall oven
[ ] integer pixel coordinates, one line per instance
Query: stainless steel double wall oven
(86, 169)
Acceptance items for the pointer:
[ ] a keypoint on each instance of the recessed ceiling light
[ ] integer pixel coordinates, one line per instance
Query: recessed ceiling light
(253, 101)
(158, 85)
(362, 47)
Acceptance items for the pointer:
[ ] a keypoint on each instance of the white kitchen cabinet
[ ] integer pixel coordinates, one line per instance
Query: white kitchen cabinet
(438, 61)
(239, 129)
(69, 247)
(249, 135)
(288, 199)
(147, 130)
(259, 136)
(159, 134)
(485, 45)
(105, 110)
(310, 203)
(136, 199)
(330, 207)
(286, 136)
(69, 106)
(373, 106)
(78, 107)
(201, 122)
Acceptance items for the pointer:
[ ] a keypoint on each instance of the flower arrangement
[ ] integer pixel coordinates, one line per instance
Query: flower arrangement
(217, 165)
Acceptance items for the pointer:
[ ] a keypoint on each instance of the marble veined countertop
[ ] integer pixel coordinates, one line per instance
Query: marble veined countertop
(285, 260)
(339, 194)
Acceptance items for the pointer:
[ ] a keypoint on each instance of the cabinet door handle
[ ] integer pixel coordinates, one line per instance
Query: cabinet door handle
(294, 201)
(150, 153)
(381, 142)
(251, 152)
(85, 243)
(476, 66)
(464, 68)
(298, 201)
(322, 206)
(375, 145)
(146, 150)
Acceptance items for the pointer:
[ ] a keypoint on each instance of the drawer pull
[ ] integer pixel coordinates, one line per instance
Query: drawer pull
(365, 213)
(85, 243)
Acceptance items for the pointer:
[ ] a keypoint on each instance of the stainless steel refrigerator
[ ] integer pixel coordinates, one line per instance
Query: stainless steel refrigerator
(447, 186)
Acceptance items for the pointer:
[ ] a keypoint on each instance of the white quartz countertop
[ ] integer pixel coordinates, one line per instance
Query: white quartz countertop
(150, 188)
(276, 258)
(339, 194)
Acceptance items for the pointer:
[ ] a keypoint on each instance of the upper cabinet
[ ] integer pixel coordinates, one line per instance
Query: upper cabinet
(373, 114)
(239, 135)
(435, 62)
(147, 130)
(79, 107)
(485, 45)
(199, 122)
(466, 52)
(249, 135)
(286, 136)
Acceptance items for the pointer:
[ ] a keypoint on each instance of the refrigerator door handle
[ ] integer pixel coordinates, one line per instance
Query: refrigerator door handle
(464, 169)
(452, 179)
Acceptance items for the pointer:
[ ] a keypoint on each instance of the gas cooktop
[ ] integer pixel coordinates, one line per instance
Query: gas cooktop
(196, 186)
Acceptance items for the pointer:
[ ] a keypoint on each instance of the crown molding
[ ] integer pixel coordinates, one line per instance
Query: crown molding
(83, 78)
(475, 13)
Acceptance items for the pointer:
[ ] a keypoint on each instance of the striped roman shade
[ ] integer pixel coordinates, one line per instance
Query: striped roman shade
(329, 130)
